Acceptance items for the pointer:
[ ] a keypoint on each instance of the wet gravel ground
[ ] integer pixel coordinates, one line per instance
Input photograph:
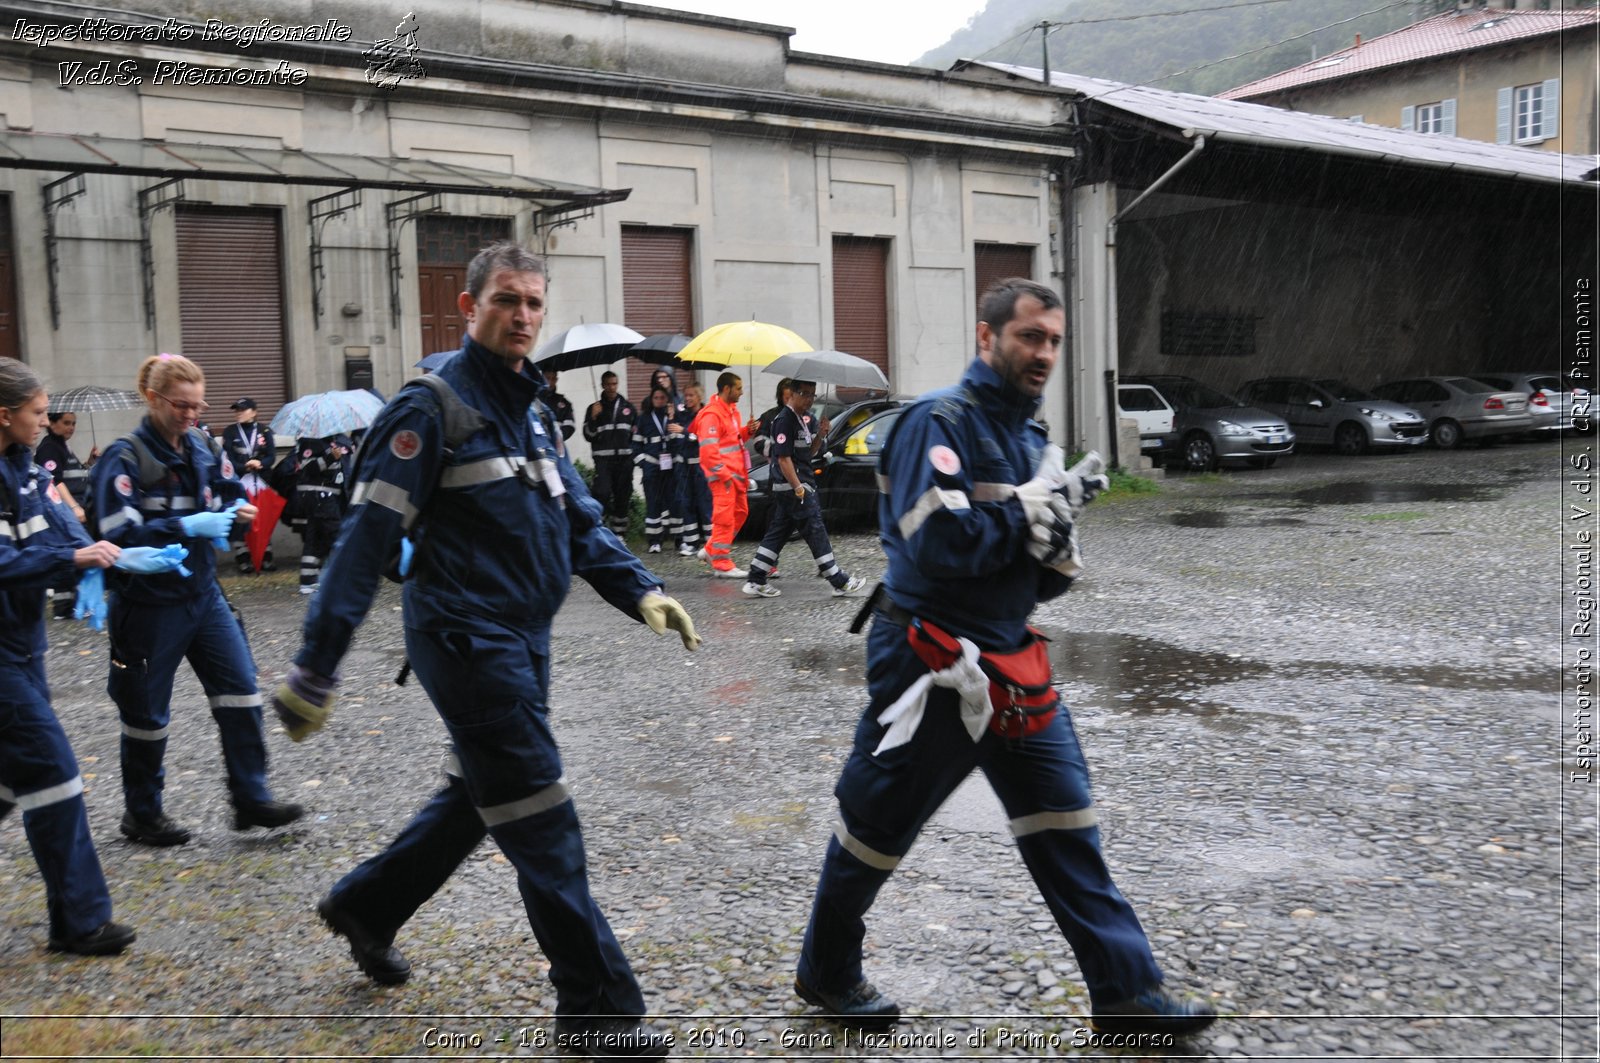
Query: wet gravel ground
(1323, 707)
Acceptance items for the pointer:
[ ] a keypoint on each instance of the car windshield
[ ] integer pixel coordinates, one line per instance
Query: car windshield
(1344, 392)
(1184, 393)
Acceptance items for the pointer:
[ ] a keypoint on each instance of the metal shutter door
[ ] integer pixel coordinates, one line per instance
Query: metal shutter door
(997, 262)
(861, 299)
(230, 292)
(656, 297)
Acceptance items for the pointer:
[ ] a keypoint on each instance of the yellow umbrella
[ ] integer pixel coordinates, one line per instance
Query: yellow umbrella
(741, 343)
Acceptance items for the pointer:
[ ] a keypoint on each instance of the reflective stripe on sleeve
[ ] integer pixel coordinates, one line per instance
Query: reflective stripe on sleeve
(932, 500)
(50, 795)
(125, 515)
(992, 492)
(1078, 819)
(387, 495)
(543, 801)
(863, 852)
(144, 736)
(30, 527)
(885, 485)
(158, 504)
(474, 473)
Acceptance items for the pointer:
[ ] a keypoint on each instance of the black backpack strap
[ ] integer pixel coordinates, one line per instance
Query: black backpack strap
(152, 470)
(459, 420)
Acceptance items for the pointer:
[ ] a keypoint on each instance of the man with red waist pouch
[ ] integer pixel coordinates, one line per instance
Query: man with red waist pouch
(978, 523)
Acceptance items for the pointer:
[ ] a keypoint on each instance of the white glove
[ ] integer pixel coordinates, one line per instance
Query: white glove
(1078, 490)
(1056, 547)
(664, 614)
(1036, 496)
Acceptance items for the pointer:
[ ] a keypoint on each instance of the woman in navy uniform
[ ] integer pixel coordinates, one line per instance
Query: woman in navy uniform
(42, 544)
(159, 485)
(71, 477)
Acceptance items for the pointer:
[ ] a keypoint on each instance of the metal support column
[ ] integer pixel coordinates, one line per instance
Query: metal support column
(57, 194)
(322, 210)
(152, 199)
(396, 214)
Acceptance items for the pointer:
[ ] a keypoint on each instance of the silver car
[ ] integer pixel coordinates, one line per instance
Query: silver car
(1460, 407)
(1333, 413)
(1213, 428)
(1556, 403)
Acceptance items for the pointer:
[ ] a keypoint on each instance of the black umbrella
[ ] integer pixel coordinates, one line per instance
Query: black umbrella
(661, 350)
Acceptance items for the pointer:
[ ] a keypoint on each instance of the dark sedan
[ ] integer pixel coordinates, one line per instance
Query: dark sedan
(845, 468)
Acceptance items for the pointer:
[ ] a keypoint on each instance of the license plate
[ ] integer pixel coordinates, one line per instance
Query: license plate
(1149, 444)
(1274, 439)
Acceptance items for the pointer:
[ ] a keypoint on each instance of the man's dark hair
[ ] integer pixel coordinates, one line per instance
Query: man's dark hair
(496, 257)
(727, 380)
(607, 375)
(999, 303)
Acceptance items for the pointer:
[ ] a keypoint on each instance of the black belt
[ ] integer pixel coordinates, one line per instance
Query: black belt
(879, 600)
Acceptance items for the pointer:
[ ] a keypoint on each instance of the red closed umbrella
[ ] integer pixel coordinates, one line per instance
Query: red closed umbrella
(269, 507)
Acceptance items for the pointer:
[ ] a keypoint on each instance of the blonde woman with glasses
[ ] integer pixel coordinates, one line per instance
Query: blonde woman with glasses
(164, 484)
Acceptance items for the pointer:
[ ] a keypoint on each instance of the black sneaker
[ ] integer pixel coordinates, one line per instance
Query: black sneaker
(267, 814)
(108, 940)
(379, 960)
(611, 1038)
(861, 1006)
(160, 831)
(1155, 1011)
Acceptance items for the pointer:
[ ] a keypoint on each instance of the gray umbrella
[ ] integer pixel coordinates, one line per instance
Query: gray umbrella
(829, 367)
(94, 398)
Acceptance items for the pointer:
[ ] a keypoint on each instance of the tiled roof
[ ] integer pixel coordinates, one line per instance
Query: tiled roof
(1441, 35)
(1241, 122)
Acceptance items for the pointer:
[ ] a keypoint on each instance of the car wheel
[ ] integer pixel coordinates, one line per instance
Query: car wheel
(1445, 433)
(1350, 438)
(1199, 454)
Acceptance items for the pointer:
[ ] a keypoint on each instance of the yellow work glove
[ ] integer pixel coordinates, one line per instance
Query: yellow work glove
(303, 702)
(664, 614)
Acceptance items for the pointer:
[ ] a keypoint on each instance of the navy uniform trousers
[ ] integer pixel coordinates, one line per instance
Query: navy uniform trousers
(1043, 783)
(613, 489)
(489, 688)
(147, 642)
(787, 516)
(39, 773)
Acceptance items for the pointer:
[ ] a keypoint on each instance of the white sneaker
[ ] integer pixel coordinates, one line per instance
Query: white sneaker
(856, 585)
(685, 550)
(701, 553)
(655, 548)
(730, 573)
(307, 590)
(761, 590)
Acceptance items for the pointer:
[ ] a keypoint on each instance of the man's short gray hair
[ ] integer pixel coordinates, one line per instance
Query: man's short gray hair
(496, 257)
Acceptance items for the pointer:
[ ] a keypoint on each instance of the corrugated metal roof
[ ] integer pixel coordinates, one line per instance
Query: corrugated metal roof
(1441, 35)
(1257, 123)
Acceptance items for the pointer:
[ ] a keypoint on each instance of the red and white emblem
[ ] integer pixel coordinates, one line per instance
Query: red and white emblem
(50, 466)
(55, 496)
(944, 460)
(405, 444)
(206, 496)
(227, 467)
(124, 485)
(782, 438)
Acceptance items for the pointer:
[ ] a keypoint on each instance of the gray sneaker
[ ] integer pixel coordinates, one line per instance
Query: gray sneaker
(854, 586)
(760, 590)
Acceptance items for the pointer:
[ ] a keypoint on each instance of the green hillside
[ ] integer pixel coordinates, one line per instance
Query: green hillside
(1178, 51)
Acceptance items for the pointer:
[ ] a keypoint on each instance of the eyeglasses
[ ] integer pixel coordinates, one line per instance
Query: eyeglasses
(185, 409)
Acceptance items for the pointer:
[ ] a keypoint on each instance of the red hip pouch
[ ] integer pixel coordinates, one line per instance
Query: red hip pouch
(1019, 680)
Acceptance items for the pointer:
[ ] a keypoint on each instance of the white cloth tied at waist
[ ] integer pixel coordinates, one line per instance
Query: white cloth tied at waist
(964, 676)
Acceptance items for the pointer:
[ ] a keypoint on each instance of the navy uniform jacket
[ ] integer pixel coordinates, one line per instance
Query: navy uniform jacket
(610, 434)
(128, 515)
(496, 546)
(38, 537)
(651, 440)
(236, 444)
(955, 535)
(55, 457)
(793, 437)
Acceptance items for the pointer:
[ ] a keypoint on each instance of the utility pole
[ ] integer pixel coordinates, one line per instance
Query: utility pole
(1044, 36)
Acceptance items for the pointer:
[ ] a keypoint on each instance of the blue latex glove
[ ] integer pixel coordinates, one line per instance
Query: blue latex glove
(91, 604)
(210, 525)
(150, 560)
(406, 550)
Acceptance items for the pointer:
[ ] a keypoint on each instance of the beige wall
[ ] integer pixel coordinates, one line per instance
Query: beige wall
(1473, 81)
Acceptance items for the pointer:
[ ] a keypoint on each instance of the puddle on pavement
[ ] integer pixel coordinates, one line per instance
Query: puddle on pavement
(1213, 518)
(1378, 492)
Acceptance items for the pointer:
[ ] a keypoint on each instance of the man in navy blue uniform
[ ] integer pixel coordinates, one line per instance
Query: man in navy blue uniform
(795, 435)
(608, 426)
(976, 536)
(501, 522)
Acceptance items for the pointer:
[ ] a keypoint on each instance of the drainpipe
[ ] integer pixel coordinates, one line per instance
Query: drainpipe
(1112, 352)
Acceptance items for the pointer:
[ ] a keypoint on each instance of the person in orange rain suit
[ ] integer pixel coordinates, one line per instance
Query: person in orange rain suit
(722, 434)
